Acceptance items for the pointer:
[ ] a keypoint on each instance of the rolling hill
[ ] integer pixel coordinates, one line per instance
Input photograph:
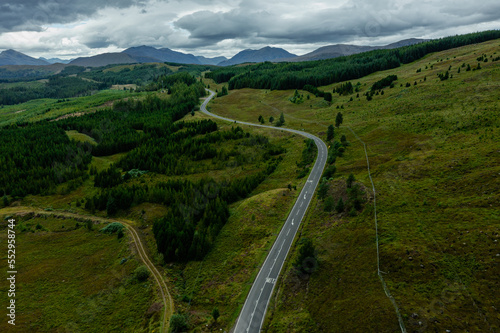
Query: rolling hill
(104, 59)
(150, 54)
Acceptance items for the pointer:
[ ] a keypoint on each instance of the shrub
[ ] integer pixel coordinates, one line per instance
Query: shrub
(178, 323)
(141, 273)
(112, 228)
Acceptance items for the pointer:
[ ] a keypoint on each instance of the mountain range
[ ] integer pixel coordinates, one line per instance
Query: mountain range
(145, 54)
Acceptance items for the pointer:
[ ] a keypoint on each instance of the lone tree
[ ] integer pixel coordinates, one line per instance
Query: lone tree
(350, 180)
(328, 96)
(261, 119)
(340, 206)
(339, 119)
(271, 119)
(331, 133)
(306, 261)
(328, 204)
(323, 188)
(281, 121)
(215, 313)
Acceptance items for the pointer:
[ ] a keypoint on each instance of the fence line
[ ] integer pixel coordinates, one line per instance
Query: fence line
(379, 272)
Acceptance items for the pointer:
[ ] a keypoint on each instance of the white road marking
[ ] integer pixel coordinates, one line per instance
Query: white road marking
(316, 169)
(288, 232)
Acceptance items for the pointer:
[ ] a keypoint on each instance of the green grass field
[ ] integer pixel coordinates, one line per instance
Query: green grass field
(433, 150)
(42, 109)
(71, 279)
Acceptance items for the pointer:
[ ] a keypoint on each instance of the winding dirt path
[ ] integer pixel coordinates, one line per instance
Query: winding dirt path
(160, 281)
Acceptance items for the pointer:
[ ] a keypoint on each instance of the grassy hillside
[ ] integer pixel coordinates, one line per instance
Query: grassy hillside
(433, 150)
(46, 109)
(71, 279)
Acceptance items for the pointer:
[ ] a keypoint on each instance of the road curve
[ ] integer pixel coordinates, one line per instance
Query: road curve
(165, 295)
(253, 312)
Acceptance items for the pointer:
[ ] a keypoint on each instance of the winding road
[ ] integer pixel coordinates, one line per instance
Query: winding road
(253, 312)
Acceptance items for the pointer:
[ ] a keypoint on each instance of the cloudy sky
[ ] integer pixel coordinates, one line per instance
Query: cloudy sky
(72, 28)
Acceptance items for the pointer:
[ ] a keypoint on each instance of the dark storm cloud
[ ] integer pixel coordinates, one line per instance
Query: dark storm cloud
(346, 23)
(31, 15)
(215, 27)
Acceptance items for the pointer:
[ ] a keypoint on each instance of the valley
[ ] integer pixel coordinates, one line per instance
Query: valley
(207, 186)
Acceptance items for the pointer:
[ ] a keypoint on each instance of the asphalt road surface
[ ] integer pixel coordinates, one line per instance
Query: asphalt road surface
(254, 310)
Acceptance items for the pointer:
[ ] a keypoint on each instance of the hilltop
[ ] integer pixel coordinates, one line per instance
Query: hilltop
(264, 54)
(11, 57)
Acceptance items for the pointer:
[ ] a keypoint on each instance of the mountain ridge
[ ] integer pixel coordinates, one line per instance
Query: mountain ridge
(267, 53)
(12, 57)
(145, 54)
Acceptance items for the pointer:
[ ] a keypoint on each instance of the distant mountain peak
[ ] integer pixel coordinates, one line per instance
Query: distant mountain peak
(13, 57)
(267, 53)
(150, 54)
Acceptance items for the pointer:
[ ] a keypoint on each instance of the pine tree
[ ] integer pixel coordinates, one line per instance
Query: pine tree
(331, 133)
(350, 180)
(323, 189)
(328, 204)
(306, 260)
(340, 206)
(5, 201)
(339, 119)
(215, 313)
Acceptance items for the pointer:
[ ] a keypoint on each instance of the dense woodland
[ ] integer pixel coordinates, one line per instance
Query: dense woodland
(38, 157)
(320, 73)
(138, 74)
(57, 87)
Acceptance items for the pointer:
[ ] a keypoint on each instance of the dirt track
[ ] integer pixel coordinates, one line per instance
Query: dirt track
(160, 281)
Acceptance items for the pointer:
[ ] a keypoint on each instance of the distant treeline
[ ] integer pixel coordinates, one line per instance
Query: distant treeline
(323, 72)
(57, 87)
(138, 74)
(133, 121)
(26, 74)
(74, 81)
